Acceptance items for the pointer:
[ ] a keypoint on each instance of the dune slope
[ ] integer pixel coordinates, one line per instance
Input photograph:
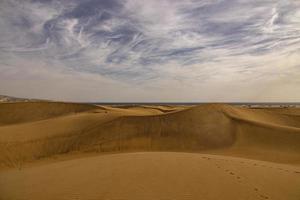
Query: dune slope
(149, 176)
(12, 113)
(222, 129)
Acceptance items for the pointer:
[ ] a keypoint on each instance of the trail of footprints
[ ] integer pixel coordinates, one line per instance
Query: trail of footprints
(255, 164)
(240, 179)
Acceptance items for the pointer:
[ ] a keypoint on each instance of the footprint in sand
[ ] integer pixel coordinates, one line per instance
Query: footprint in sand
(206, 158)
(218, 166)
(263, 196)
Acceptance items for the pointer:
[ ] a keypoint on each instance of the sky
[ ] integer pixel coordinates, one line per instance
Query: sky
(151, 50)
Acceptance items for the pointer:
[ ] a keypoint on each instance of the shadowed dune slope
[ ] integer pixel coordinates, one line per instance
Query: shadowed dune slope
(250, 133)
(12, 113)
(222, 129)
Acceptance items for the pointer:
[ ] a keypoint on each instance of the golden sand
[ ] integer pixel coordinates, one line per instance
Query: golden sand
(54, 150)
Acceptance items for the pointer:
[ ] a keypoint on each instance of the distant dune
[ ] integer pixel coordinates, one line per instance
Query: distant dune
(47, 132)
(14, 113)
(34, 130)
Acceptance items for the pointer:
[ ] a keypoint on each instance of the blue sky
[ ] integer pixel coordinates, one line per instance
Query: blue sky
(150, 50)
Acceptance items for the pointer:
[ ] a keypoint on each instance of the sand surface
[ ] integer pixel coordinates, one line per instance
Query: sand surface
(51, 150)
(158, 175)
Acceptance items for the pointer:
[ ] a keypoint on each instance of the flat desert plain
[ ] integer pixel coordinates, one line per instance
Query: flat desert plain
(64, 151)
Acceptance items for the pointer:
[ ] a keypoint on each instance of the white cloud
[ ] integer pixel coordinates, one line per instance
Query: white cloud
(150, 50)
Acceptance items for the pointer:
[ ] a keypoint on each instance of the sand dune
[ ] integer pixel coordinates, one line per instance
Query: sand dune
(12, 113)
(150, 176)
(35, 136)
(259, 134)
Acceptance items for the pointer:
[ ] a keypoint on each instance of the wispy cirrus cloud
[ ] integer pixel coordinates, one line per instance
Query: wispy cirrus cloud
(158, 50)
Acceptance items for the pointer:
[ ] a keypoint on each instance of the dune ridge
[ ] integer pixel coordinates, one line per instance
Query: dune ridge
(254, 133)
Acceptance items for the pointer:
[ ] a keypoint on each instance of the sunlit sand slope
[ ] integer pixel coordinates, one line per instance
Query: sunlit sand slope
(152, 176)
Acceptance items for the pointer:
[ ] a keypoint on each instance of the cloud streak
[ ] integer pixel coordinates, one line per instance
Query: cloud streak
(159, 50)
